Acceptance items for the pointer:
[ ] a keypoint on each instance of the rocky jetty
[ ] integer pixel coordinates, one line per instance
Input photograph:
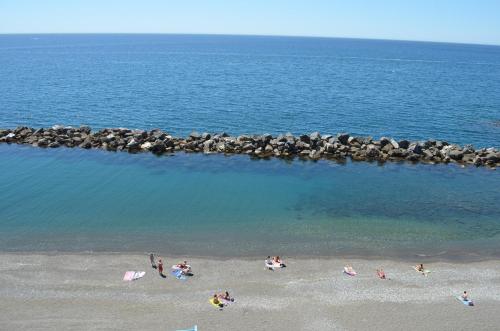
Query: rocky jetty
(312, 146)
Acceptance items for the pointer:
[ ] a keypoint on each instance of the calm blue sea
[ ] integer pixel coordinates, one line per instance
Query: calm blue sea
(78, 200)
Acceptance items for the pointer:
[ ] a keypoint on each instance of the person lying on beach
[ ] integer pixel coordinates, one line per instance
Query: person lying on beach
(420, 267)
(381, 273)
(152, 260)
(277, 260)
(225, 296)
(349, 269)
(184, 267)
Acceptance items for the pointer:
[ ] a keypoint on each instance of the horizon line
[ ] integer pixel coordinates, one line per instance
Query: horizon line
(246, 35)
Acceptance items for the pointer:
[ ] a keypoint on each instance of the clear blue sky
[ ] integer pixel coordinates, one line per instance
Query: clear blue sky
(469, 21)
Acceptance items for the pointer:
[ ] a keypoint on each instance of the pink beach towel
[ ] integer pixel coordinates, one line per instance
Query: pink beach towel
(129, 275)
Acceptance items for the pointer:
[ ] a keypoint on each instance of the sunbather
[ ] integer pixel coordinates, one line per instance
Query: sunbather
(278, 261)
(349, 269)
(225, 296)
(217, 302)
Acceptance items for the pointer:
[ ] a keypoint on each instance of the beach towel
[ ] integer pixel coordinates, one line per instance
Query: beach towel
(273, 265)
(465, 302)
(133, 275)
(194, 328)
(425, 272)
(350, 273)
(227, 302)
(178, 274)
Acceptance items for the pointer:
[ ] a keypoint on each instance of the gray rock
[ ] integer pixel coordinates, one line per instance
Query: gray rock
(133, 144)
(415, 148)
(384, 141)
(372, 151)
(387, 148)
(315, 136)
(86, 144)
(314, 154)
(404, 144)
(195, 135)
(394, 144)
(305, 139)
(343, 138)
(146, 146)
(326, 137)
(455, 154)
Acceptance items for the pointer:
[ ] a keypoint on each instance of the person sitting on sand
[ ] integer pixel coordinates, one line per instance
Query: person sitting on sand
(217, 302)
(349, 269)
(420, 267)
(381, 273)
(465, 296)
(277, 260)
(184, 267)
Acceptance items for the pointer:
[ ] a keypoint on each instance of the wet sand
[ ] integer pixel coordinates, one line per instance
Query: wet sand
(86, 292)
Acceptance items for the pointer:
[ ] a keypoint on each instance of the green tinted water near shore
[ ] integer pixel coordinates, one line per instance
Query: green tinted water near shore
(191, 204)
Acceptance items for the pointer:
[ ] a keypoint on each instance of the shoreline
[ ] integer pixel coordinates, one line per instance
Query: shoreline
(299, 257)
(86, 291)
(314, 146)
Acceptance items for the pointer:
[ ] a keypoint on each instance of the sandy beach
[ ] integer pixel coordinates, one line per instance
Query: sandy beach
(86, 292)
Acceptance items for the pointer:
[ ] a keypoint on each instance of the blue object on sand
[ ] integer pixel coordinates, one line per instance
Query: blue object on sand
(178, 274)
(194, 328)
(465, 302)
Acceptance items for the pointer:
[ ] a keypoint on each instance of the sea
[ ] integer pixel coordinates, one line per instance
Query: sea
(74, 200)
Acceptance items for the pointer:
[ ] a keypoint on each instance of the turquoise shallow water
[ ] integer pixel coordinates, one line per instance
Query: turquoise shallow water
(79, 200)
(75, 200)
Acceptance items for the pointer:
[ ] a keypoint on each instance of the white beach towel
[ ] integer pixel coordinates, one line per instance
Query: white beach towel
(133, 275)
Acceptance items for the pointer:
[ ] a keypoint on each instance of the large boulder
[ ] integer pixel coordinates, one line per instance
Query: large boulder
(387, 148)
(415, 148)
(305, 139)
(343, 138)
(372, 151)
(146, 146)
(315, 136)
(195, 135)
(404, 144)
(384, 141)
(133, 144)
(455, 154)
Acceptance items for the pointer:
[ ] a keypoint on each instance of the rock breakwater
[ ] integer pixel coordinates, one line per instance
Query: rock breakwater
(312, 146)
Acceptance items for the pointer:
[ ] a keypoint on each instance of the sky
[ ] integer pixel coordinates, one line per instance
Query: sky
(463, 21)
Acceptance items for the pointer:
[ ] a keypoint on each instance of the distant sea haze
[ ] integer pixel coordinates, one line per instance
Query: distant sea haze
(251, 84)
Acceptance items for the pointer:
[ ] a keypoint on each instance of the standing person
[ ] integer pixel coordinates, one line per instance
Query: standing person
(160, 268)
(152, 260)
